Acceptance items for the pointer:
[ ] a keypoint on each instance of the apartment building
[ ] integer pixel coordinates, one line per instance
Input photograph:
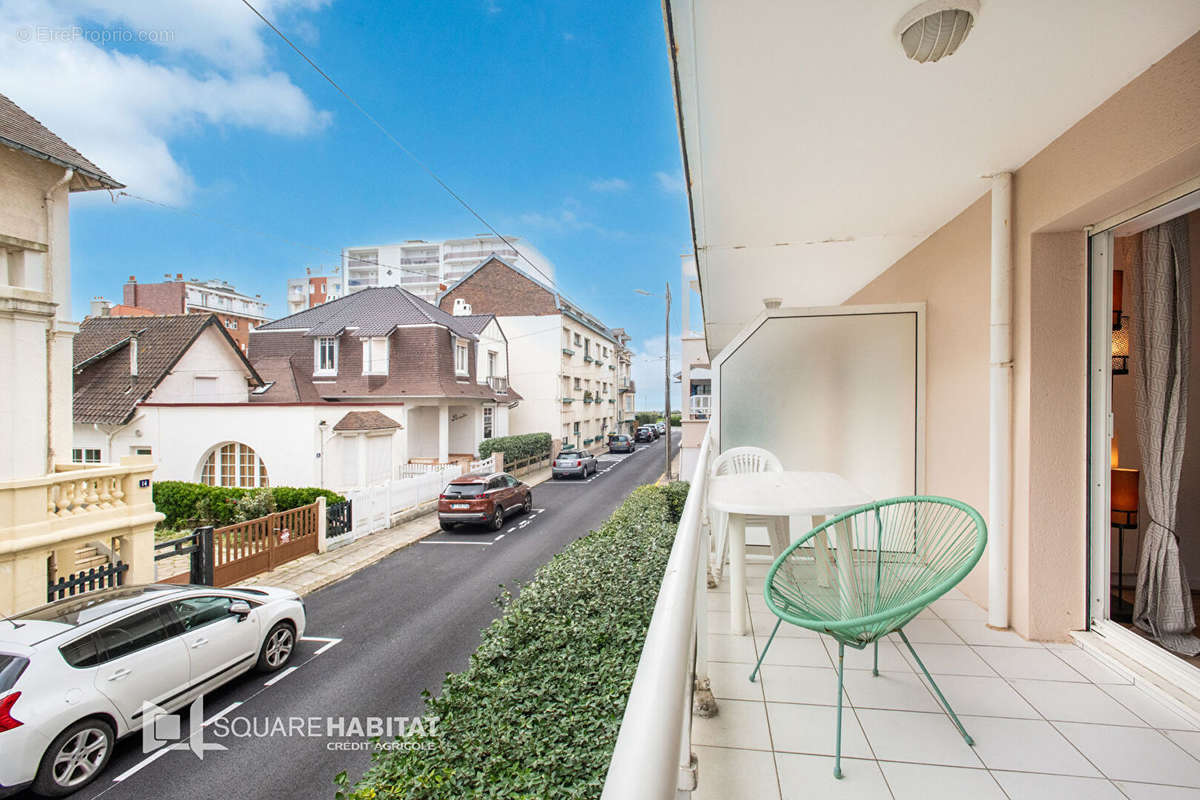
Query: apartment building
(426, 268)
(319, 285)
(572, 369)
(238, 312)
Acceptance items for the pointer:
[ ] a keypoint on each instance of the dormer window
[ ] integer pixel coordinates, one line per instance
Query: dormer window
(375, 356)
(325, 360)
(462, 357)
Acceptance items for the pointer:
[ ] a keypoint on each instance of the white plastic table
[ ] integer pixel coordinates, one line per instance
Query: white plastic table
(778, 494)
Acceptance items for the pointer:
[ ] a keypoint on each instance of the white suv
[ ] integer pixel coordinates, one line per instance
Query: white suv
(74, 674)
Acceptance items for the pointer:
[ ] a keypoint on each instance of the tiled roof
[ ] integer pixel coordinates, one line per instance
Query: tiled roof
(475, 322)
(366, 421)
(372, 312)
(22, 132)
(105, 392)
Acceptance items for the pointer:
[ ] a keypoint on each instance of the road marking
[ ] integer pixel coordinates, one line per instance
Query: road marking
(289, 671)
(510, 530)
(501, 536)
(526, 522)
(225, 710)
(145, 762)
(329, 642)
(538, 510)
(443, 541)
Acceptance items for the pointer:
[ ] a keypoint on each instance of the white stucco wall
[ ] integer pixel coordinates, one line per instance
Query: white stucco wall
(35, 402)
(287, 438)
(535, 355)
(210, 358)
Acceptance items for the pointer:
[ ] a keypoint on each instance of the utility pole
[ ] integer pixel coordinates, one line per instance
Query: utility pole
(667, 381)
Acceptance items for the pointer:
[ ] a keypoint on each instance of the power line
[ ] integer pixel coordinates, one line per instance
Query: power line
(427, 169)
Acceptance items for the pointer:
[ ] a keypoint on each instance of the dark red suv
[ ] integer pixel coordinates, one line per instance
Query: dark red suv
(483, 499)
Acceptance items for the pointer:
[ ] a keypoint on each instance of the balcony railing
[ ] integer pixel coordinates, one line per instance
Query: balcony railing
(498, 383)
(652, 757)
(700, 406)
(78, 503)
(627, 386)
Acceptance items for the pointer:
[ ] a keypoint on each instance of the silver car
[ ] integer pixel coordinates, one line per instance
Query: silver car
(573, 463)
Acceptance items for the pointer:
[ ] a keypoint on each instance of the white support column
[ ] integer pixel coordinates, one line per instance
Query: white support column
(1000, 428)
(443, 432)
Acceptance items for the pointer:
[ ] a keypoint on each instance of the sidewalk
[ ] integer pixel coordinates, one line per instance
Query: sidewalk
(310, 573)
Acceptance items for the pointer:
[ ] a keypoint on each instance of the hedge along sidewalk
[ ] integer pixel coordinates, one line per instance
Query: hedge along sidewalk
(309, 573)
(536, 713)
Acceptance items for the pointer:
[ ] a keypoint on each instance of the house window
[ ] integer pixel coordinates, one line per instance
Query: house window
(578, 340)
(461, 357)
(491, 363)
(587, 347)
(231, 324)
(234, 464)
(375, 355)
(488, 420)
(85, 455)
(204, 387)
(578, 384)
(326, 356)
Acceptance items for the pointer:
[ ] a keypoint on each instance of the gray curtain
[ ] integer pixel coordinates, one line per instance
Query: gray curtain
(1161, 340)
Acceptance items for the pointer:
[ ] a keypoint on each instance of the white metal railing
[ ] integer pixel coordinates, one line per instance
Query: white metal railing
(499, 384)
(701, 404)
(652, 757)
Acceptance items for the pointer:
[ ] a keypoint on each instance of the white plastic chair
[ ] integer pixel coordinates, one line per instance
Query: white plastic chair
(735, 461)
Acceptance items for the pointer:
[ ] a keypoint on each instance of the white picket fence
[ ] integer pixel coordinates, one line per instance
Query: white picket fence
(378, 507)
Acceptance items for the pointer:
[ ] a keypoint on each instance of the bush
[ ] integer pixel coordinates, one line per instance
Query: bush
(536, 713)
(191, 504)
(517, 448)
(676, 419)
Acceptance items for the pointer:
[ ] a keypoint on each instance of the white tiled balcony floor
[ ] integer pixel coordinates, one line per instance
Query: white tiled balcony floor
(1049, 721)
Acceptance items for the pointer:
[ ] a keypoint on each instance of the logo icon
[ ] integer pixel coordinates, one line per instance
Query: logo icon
(162, 730)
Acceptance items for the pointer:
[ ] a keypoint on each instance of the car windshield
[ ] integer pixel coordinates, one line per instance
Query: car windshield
(465, 489)
(79, 610)
(11, 668)
(569, 454)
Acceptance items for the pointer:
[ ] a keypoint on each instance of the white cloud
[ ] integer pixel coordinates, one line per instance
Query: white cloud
(492, 7)
(568, 36)
(123, 110)
(565, 220)
(647, 370)
(670, 183)
(609, 185)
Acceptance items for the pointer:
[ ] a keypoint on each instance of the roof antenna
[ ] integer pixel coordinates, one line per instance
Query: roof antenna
(10, 621)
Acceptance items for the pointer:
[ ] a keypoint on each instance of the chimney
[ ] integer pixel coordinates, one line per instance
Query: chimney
(132, 279)
(100, 307)
(461, 308)
(178, 276)
(772, 302)
(133, 355)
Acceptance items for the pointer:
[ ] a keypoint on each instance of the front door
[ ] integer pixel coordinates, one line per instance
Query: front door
(218, 642)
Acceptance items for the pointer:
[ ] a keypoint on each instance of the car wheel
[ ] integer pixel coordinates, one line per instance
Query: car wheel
(446, 526)
(497, 519)
(74, 758)
(527, 506)
(277, 648)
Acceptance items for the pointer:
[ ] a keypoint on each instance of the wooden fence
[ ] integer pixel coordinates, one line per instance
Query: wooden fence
(260, 545)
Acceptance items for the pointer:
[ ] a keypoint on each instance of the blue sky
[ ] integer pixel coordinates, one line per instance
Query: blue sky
(554, 120)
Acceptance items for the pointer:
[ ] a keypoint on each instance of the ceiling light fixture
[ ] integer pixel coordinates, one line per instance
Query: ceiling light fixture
(936, 28)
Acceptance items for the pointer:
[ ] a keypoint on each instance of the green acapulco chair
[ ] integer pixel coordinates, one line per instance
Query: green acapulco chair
(889, 560)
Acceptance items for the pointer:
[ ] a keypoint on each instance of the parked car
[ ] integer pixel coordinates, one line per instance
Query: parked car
(644, 434)
(483, 499)
(570, 463)
(620, 443)
(74, 674)
(661, 427)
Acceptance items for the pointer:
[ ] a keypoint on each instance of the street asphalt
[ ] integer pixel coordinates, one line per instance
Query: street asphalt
(379, 637)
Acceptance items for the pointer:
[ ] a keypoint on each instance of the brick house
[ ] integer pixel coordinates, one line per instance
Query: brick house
(572, 368)
(238, 312)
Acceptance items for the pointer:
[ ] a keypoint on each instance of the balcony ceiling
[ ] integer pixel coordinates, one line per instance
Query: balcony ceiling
(818, 154)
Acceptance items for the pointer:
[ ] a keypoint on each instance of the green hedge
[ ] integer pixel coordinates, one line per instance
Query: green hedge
(190, 504)
(517, 448)
(536, 713)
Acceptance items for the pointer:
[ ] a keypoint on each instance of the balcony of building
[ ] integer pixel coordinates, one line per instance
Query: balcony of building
(80, 517)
